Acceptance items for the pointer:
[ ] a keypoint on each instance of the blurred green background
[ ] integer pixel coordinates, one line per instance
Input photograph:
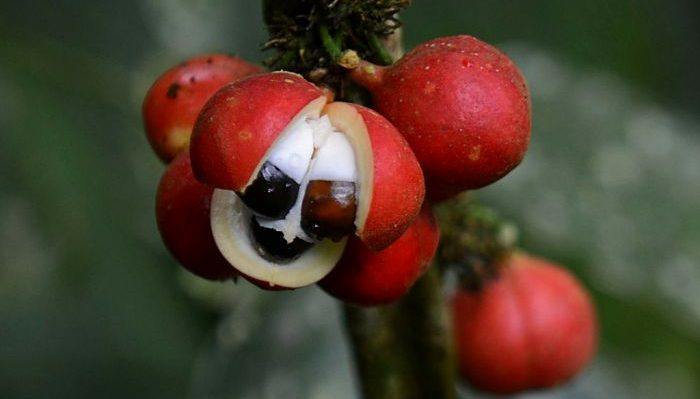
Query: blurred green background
(91, 305)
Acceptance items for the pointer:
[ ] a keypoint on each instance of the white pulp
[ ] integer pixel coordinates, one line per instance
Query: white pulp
(335, 160)
(292, 153)
(311, 149)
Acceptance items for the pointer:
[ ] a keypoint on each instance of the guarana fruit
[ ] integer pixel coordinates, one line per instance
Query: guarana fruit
(173, 102)
(531, 327)
(462, 105)
(295, 175)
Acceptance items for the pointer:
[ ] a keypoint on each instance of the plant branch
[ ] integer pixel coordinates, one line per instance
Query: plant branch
(428, 333)
(383, 368)
(404, 350)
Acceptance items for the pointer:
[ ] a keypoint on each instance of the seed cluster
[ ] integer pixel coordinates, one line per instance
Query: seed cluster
(327, 207)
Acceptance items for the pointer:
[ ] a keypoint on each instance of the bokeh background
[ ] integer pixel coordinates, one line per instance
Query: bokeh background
(91, 305)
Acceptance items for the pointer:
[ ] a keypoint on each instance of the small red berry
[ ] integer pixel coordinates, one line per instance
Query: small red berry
(175, 99)
(182, 213)
(365, 277)
(462, 105)
(533, 327)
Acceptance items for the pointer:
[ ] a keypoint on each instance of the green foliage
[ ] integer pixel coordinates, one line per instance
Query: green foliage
(312, 34)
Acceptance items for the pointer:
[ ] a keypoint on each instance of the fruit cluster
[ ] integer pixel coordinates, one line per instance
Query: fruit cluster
(273, 181)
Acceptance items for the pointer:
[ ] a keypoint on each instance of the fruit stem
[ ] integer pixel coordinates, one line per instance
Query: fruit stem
(329, 43)
(404, 350)
(367, 75)
(382, 367)
(428, 331)
(380, 51)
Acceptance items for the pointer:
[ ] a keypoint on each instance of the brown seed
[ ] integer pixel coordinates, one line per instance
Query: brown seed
(329, 209)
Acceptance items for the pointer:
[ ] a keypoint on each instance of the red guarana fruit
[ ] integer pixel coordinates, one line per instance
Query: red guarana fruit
(175, 99)
(182, 213)
(250, 142)
(533, 327)
(231, 144)
(462, 105)
(365, 277)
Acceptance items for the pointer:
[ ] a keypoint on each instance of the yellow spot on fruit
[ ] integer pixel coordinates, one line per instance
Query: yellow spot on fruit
(475, 153)
(290, 81)
(429, 88)
(178, 139)
(244, 135)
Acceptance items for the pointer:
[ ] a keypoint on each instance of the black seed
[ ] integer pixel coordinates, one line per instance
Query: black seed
(172, 90)
(329, 209)
(210, 60)
(272, 194)
(192, 79)
(271, 245)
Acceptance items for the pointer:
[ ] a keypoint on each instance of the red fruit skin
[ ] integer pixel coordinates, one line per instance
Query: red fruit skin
(398, 185)
(182, 213)
(175, 99)
(368, 278)
(534, 327)
(240, 122)
(462, 105)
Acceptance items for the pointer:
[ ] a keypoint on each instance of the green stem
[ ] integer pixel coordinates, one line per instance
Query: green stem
(427, 331)
(329, 43)
(383, 368)
(404, 350)
(380, 51)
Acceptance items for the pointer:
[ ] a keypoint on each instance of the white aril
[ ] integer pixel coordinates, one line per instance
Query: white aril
(332, 158)
(335, 160)
(292, 152)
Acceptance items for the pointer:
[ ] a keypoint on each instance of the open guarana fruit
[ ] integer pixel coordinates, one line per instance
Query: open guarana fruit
(295, 175)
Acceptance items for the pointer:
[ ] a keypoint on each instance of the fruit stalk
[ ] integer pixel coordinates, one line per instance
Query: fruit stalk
(405, 350)
(383, 369)
(428, 332)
